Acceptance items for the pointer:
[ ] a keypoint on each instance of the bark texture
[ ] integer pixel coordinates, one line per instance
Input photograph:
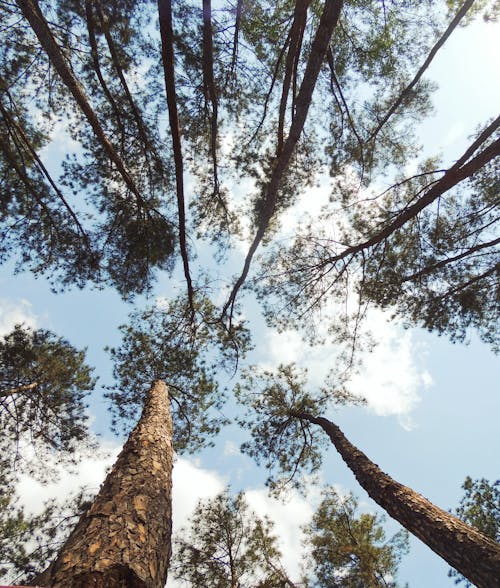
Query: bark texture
(124, 539)
(473, 554)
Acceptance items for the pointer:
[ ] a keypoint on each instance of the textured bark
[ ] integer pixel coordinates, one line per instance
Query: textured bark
(473, 554)
(17, 390)
(124, 539)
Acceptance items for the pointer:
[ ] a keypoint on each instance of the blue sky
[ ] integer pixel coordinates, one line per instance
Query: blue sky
(433, 413)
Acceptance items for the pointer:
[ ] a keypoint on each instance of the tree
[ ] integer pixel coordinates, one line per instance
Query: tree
(348, 550)
(298, 89)
(280, 417)
(43, 385)
(480, 508)
(185, 349)
(123, 540)
(228, 545)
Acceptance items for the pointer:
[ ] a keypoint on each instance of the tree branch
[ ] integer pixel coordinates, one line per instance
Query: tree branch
(451, 178)
(33, 14)
(405, 93)
(18, 389)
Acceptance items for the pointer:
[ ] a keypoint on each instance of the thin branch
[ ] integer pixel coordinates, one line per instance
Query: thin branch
(89, 17)
(451, 178)
(443, 262)
(27, 143)
(296, 34)
(33, 14)
(406, 92)
(237, 24)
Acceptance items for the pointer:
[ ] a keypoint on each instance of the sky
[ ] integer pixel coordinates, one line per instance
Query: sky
(432, 412)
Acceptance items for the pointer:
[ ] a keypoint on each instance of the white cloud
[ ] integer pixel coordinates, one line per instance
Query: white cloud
(392, 375)
(288, 519)
(90, 472)
(16, 312)
(190, 484)
(231, 448)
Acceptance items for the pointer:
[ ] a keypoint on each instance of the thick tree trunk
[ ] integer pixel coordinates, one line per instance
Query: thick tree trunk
(473, 554)
(123, 540)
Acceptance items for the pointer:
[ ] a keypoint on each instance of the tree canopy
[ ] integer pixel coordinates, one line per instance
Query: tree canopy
(44, 382)
(349, 550)
(170, 142)
(227, 545)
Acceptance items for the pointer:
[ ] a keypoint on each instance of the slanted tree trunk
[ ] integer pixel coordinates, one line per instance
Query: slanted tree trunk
(472, 553)
(124, 539)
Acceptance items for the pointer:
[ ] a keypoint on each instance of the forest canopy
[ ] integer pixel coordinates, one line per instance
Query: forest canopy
(261, 164)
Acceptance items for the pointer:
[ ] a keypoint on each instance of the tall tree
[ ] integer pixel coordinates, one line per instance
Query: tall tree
(123, 540)
(228, 546)
(350, 550)
(272, 95)
(44, 382)
(280, 419)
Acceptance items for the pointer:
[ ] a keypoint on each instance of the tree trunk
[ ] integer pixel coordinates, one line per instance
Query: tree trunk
(473, 554)
(123, 540)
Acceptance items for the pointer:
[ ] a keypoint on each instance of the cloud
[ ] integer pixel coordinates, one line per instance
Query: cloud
(288, 519)
(390, 378)
(16, 312)
(190, 484)
(231, 448)
(90, 472)
(393, 373)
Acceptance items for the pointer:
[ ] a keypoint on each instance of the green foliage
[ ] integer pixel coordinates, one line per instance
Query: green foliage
(438, 270)
(88, 225)
(286, 445)
(166, 342)
(348, 550)
(43, 384)
(227, 546)
(480, 508)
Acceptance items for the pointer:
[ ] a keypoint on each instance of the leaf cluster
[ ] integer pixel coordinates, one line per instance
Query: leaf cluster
(44, 382)
(286, 445)
(167, 342)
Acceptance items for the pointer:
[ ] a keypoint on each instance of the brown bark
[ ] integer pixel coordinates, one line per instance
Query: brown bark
(124, 539)
(473, 554)
(328, 22)
(296, 34)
